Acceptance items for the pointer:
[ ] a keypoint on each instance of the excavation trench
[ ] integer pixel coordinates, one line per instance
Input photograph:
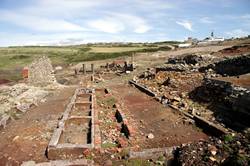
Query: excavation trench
(75, 131)
(141, 115)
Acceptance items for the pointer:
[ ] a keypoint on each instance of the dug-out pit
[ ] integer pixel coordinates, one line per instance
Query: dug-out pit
(75, 131)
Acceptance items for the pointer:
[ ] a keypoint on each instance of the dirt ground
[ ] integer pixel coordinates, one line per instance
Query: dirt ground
(148, 116)
(27, 138)
(242, 80)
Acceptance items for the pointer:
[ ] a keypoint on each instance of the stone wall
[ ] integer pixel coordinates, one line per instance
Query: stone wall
(234, 100)
(41, 71)
(231, 67)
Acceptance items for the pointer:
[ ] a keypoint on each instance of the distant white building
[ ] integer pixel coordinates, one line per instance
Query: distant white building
(216, 39)
(184, 45)
(211, 40)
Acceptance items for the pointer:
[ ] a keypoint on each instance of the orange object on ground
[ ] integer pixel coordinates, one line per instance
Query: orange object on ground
(25, 72)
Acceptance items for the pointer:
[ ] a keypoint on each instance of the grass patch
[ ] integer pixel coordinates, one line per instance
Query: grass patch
(137, 162)
(12, 58)
(110, 101)
(115, 49)
(12, 75)
(20, 57)
(109, 145)
(228, 138)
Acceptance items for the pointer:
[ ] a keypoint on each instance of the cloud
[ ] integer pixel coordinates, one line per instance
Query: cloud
(142, 29)
(206, 20)
(136, 23)
(186, 24)
(238, 33)
(107, 25)
(38, 23)
(246, 16)
(70, 38)
(118, 22)
(21, 39)
(70, 4)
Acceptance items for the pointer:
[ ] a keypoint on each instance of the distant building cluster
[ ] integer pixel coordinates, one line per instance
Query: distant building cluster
(207, 41)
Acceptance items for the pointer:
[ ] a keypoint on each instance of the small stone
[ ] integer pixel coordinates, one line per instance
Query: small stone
(183, 95)
(15, 138)
(28, 163)
(108, 163)
(241, 151)
(102, 151)
(212, 158)
(122, 142)
(177, 99)
(213, 150)
(150, 136)
(183, 145)
(198, 113)
(58, 68)
(86, 152)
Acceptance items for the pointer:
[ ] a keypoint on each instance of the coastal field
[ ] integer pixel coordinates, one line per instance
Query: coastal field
(13, 59)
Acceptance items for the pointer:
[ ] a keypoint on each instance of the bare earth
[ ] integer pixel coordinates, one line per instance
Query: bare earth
(27, 138)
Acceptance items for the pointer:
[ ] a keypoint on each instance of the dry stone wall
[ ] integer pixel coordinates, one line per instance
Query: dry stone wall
(41, 71)
(232, 67)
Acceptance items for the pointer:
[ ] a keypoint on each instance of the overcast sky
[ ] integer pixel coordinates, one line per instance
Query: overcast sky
(32, 22)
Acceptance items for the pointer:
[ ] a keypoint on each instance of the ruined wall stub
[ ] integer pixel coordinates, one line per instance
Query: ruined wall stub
(41, 71)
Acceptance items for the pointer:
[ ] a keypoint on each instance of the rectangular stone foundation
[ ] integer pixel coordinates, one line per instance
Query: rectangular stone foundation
(76, 130)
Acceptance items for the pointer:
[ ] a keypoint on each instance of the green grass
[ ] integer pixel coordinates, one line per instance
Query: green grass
(12, 57)
(228, 138)
(136, 162)
(110, 101)
(15, 58)
(114, 49)
(108, 145)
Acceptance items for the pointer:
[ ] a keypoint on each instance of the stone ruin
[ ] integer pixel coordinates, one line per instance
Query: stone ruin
(232, 66)
(41, 71)
(227, 100)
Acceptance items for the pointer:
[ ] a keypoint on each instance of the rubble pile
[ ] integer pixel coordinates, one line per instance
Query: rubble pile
(230, 67)
(229, 150)
(226, 100)
(188, 63)
(187, 59)
(41, 71)
(111, 130)
(148, 75)
(19, 98)
(119, 66)
(190, 84)
(115, 66)
(170, 84)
